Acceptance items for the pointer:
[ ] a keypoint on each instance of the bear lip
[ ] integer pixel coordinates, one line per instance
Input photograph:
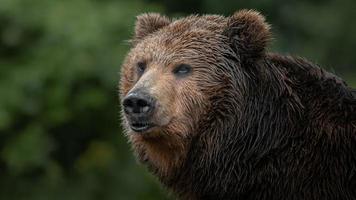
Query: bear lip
(141, 126)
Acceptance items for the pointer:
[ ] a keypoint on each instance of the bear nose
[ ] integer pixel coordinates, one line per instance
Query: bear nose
(138, 104)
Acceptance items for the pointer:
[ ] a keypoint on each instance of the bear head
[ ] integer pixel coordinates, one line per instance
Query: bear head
(182, 76)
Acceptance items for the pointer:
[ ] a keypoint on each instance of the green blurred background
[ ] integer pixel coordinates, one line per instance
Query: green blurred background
(60, 134)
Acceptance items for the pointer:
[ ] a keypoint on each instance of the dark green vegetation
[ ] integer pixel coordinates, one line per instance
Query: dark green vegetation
(60, 135)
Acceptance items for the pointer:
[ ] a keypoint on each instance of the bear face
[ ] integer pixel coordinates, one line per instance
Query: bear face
(177, 71)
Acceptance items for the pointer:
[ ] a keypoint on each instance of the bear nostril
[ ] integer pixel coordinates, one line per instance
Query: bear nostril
(142, 103)
(128, 105)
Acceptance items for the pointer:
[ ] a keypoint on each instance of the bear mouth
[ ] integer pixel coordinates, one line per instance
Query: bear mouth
(141, 126)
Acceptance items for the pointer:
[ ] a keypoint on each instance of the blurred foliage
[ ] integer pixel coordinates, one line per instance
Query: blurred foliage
(60, 135)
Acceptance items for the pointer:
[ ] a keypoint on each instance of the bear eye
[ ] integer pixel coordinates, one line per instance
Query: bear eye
(141, 67)
(182, 69)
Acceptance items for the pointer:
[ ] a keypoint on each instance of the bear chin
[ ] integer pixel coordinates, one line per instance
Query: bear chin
(151, 132)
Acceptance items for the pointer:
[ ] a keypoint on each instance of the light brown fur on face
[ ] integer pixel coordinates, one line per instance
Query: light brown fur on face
(165, 145)
(178, 102)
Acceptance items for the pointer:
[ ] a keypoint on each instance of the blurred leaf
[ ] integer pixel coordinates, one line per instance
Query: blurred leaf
(27, 151)
(99, 155)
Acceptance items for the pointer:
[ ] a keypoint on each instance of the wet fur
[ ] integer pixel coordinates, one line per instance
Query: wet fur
(254, 125)
(294, 138)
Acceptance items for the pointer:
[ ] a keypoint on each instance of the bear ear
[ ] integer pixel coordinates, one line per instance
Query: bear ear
(248, 34)
(148, 23)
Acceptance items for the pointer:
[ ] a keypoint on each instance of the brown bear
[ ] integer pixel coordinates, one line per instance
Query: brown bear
(214, 116)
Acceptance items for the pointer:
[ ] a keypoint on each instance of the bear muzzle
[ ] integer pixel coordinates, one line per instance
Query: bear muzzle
(139, 108)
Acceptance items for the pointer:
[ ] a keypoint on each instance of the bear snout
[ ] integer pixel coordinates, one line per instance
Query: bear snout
(139, 108)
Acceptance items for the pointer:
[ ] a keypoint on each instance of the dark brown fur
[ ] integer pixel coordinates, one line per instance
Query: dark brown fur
(245, 124)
